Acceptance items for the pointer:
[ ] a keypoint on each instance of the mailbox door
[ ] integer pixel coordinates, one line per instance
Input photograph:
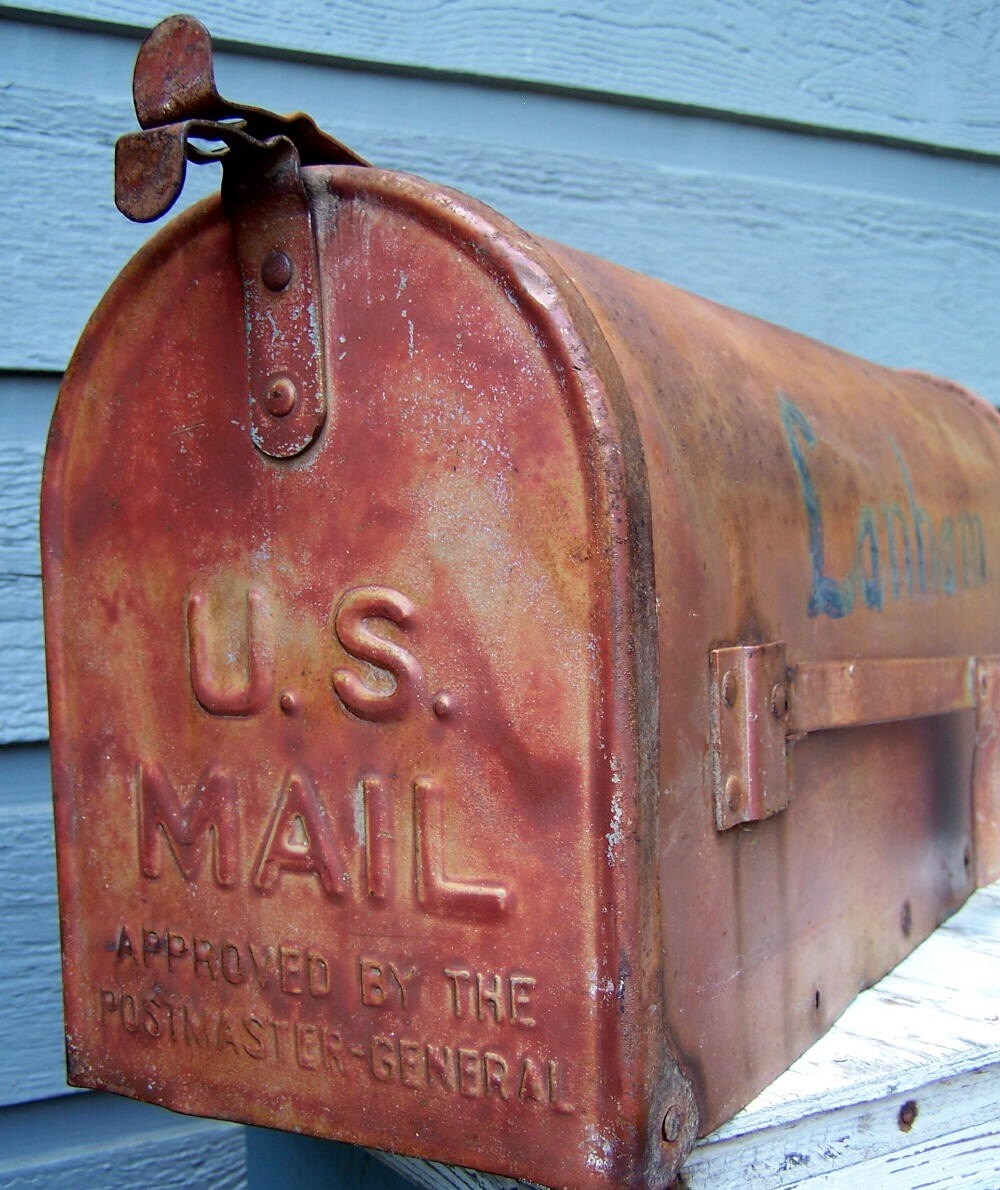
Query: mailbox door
(344, 741)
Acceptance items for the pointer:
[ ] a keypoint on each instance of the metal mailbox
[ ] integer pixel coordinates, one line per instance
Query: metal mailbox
(503, 707)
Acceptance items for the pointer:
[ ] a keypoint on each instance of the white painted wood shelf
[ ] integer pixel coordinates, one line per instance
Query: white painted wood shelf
(903, 1092)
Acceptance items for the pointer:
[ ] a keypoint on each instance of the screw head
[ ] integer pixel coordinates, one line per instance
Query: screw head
(276, 271)
(729, 688)
(281, 396)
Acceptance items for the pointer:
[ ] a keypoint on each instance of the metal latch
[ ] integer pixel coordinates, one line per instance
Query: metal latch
(179, 110)
(760, 706)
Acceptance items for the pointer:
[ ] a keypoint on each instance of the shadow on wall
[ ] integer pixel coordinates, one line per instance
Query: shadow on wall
(285, 1159)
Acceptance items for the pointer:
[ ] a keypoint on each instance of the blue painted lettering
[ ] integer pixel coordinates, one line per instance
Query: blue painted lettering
(920, 558)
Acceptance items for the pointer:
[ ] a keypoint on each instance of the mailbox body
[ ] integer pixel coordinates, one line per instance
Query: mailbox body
(386, 774)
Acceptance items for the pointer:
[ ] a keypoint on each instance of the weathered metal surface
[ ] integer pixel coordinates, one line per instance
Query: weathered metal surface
(749, 708)
(986, 772)
(383, 771)
(762, 707)
(861, 692)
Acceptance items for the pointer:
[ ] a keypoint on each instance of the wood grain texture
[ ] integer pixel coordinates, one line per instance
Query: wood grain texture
(25, 408)
(31, 1007)
(925, 71)
(115, 1144)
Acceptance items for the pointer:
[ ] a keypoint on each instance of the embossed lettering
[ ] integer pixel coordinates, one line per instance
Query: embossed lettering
(495, 1074)
(254, 1029)
(176, 949)
(125, 949)
(231, 963)
(386, 692)
(532, 1084)
(555, 1098)
(265, 963)
(520, 999)
(490, 996)
(308, 1046)
(291, 971)
(210, 811)
(460, 979)
(470, 1073)
(436, 891)
(410, 1062)
(226, 1033)
(251, 692)
(378, 839)
(300, 840)
(204, 957)
(441, 1066)
(383, 1055)
(319, 1045)
(384, 983)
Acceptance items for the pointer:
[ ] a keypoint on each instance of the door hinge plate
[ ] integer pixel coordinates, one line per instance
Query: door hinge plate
(749, 711)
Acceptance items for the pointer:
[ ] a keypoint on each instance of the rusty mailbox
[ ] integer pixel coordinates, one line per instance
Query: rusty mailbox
(503, 707)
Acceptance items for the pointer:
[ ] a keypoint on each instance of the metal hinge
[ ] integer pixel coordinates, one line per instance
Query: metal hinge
(179, 109)
(760, 705)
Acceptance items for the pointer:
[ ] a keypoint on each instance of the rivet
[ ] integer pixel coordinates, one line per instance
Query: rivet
(281, 397)
(442, 705)
(779, 700)
(672, 1124)
(276, 271)
(734, 792)
(288, 702)
(729, 686)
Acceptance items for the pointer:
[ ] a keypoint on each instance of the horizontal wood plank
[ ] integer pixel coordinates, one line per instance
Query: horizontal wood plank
(31, 1007)
(965, 1158)
(25, 408)
(929, 72)
(101, 1140)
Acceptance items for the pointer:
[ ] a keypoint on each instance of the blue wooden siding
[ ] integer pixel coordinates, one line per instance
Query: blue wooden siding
(832, 165)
